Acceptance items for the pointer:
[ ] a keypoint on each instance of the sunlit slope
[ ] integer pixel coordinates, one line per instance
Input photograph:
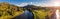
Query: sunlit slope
(9, 11)
(42, 13)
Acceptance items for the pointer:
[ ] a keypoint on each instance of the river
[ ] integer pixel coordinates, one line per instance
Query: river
(26, 15)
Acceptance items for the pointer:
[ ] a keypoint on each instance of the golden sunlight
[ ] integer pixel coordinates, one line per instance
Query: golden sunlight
(56, 3)
(57, 14)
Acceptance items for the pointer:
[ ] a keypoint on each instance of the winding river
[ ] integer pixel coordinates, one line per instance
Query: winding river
(26, 15)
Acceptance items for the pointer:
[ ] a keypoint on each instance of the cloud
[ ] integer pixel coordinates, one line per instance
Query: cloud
(35, 3)
(51, 3)
(30, 3)
(22, 4)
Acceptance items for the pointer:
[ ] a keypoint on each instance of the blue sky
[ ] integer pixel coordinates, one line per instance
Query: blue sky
(25, 2)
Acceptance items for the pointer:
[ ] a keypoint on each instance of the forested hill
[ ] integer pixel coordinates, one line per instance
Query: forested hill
(11, 10)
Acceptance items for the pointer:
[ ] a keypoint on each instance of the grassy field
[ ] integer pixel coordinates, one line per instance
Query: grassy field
(8, 11)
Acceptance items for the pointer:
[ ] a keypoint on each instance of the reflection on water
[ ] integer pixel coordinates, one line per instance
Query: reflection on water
(57, 14)
(26, 15)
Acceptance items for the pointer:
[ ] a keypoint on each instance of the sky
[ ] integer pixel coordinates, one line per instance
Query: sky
(33, 2)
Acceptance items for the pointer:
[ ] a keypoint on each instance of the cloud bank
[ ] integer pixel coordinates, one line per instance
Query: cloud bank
(51, 3)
